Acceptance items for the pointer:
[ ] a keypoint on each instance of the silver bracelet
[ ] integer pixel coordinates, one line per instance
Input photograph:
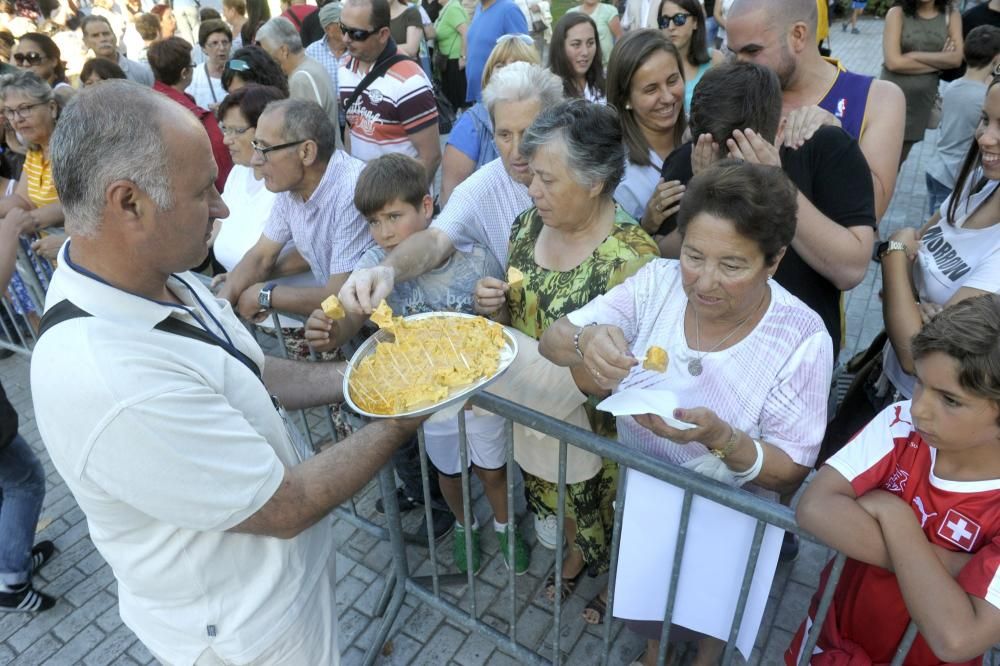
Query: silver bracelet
(576, 337)
(754, 471)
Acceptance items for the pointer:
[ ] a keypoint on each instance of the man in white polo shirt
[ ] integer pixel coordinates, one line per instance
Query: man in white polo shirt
(154, 403)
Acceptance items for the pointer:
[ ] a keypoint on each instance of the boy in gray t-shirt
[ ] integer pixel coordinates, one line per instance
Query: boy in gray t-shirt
(391, 194)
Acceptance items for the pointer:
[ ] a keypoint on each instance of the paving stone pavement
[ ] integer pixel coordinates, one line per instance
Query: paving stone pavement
(84, 627)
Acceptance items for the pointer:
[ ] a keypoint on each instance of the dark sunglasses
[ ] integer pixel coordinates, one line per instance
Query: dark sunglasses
(677, 19)
(30, 57)
(238, 65)
(356, 34)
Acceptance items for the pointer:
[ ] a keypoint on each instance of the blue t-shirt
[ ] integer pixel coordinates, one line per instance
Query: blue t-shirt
(472, 135)
(499, 19)
(445, 289)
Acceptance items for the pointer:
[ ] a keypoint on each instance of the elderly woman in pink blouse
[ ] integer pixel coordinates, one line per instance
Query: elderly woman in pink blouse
(749, 362)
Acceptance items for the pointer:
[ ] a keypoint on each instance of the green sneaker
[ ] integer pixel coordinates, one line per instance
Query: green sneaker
(458, 550)
(522, 557)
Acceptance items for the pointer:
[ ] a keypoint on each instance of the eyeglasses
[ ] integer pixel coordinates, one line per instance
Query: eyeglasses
(264, 150)
(31, 57)
(20, 112)
(677, 19)
(238, 65)
(524, 38)
(356, 34)
(237, 131)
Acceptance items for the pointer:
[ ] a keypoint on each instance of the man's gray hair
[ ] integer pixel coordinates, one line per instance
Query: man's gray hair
(280, 31)
(27, 83)
(591, 137)
(107, 133)
(520, 82)
(305, 120)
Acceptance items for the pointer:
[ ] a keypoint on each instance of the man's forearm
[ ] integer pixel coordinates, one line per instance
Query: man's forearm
(298, 300)
(251, 270)
(302, 384)
(421, 252)
(832, 250)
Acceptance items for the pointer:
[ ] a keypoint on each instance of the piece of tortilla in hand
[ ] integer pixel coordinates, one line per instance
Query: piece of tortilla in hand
(333, 308)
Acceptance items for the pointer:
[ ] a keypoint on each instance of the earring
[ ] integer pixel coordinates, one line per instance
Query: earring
(628, 107)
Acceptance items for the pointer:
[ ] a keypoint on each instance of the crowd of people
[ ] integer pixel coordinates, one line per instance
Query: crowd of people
(652, 180)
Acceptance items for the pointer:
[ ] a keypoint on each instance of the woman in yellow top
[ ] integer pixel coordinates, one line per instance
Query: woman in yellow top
(30, 108)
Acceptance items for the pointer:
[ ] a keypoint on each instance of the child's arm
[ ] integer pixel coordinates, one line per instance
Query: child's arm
(956, 625)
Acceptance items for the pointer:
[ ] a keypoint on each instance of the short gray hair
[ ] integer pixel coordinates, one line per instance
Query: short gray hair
(306, 120)
(109, 132)
(281, 32)
(520, 82)
(27, 83)
(592, 138)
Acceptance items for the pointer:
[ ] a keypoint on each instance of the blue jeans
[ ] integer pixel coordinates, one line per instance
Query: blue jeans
(936, 194)
(22, 489)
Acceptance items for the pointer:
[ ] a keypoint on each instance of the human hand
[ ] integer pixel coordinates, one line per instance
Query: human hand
(908, 237)
(461, 63)
(704, 153)
(751, 147)
(928, 311)
(248, 306)
(709, 430)
(802, 123)
(48, 247)
(320, 331)
(217, 283)
(22, 220)
(606, 355)
(365, 289)
(489, 295)
(666, 200)
(949, 46)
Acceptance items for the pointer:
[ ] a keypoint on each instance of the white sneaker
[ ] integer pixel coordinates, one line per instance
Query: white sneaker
(546, 531)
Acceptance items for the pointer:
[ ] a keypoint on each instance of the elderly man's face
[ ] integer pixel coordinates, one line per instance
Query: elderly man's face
(510, 120)
(281, 169)
(100, 39)
(179, 237)
(754, 37)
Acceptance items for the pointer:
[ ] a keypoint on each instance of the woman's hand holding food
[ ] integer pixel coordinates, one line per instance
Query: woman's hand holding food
(709, 430)
(489, 296)
(606, 354)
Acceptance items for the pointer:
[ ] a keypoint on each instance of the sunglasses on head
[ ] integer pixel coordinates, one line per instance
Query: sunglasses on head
(677, 19)
(356, 34)
(238, 65)
(521, 36)
(31, 58)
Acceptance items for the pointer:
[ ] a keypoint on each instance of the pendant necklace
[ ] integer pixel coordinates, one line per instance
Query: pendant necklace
(694, 365)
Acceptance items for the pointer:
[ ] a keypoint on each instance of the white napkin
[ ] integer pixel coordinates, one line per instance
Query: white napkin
(633, 401)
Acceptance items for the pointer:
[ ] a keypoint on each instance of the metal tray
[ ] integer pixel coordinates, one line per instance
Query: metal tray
(507, 355)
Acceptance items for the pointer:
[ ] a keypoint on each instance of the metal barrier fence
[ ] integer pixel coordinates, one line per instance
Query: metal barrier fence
(22, 303)
(401, 583)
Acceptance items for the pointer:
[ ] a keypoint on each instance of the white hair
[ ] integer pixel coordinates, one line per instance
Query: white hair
(281, 32)
(522, 81)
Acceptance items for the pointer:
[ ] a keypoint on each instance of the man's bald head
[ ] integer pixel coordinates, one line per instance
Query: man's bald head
(783, 13)
(109, 133)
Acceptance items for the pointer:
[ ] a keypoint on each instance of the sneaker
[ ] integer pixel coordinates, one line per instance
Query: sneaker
(843, 27)
(444, 523)
(522, 558)
(458, 550)
(406, 503)
(25, 599)
(546, 530)
(855, 31)
(789, 548)
(40, 554)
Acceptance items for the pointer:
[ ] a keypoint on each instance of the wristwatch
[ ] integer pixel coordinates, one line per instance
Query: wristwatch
(886, 247)
(264, 297)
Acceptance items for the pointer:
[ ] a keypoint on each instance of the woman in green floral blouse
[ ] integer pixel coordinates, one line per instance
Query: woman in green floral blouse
(574, 244)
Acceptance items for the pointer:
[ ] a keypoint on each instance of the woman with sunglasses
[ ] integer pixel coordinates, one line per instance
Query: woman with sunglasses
(609, 25)
(252, 64)
(683, 23)
(575, 57)
(38, 54)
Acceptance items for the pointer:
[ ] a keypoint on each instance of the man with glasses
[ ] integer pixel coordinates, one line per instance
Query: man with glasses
(100, 38)
(396, 112)
(170, 60)
(307, 79)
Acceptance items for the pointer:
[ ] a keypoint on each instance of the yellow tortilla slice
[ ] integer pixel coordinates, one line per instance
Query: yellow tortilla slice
(382, 317)
(515, 278)
(332, 308)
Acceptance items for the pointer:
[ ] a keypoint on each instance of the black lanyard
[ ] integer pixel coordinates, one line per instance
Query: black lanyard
(211, 89)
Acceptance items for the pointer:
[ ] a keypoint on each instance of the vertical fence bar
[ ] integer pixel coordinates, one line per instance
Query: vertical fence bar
(741, 604)
(675, 576)
(428, 515)
(467, 512)
(508, 427)
(616, 539)
(822, 609)
(276, 323)
(904, 645)
(560, 551)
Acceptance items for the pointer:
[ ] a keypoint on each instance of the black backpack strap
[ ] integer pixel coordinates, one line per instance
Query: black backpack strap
(57, 314)
(375, 72)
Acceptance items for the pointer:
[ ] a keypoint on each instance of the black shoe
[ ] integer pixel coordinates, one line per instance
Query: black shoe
(444, 524)
(40, 554)
(25, 600)
(406, 503)
(789, 548)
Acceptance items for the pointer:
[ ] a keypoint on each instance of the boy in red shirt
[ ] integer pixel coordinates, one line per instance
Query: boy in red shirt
(914, 502)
